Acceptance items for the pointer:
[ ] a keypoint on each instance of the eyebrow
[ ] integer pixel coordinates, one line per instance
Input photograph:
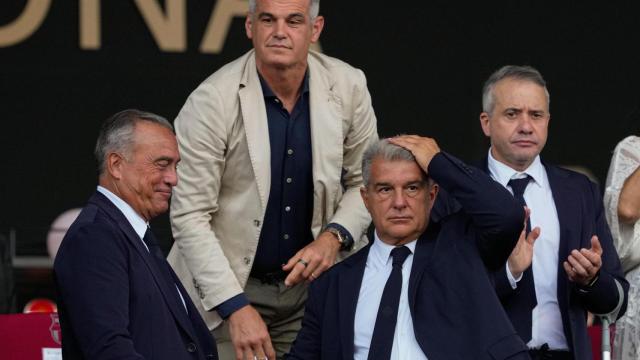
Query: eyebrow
(270, 15)
(166, 158)
(413, 182)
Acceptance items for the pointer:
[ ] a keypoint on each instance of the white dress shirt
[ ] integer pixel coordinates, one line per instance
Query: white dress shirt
(137, 222)
(376, 273)
(546, 318)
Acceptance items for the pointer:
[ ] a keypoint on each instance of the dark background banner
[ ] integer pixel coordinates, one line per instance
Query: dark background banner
(425, 62)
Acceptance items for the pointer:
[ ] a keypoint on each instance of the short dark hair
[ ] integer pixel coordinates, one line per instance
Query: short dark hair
(116, 133)
(525, 73)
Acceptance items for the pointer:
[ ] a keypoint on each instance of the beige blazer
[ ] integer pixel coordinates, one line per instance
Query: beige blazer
(224, 177)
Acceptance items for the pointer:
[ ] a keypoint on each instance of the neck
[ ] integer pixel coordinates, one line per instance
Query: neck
(111, 184)
(517, 166)
(286, 83)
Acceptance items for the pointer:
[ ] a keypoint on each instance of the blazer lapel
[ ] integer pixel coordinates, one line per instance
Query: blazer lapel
(566, 200)
(168, 290)
(422, 260)
(327, 136)
(254, 117)
(349, 283)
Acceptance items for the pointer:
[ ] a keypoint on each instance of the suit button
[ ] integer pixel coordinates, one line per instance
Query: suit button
(247, 260)
(191, 347)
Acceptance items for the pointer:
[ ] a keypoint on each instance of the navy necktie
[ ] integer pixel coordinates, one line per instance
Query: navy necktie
(521, 309)
(150, 240)
(382, 339)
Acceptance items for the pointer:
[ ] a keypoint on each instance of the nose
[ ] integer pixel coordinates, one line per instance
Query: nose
(278, 31)
(526, 126)
(171, 177)
(399, 200)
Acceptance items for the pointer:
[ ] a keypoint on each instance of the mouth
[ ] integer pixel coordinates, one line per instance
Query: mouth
(166, 194)
(525, 143)
(278, 46)
(399, 219)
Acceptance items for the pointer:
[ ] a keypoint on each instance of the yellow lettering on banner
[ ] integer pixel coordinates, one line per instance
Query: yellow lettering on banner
(170, 30)
(26, 24)
(90, 24)
(219, 23)
(168, 27)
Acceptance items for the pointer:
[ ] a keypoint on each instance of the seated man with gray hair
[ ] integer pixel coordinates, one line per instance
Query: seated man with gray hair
(421, 289)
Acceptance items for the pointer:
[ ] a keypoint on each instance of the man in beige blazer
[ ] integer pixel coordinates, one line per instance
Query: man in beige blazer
(268, 197)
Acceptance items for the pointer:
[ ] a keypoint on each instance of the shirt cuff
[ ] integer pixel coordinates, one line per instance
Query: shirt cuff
(512, 280)
(232, 305)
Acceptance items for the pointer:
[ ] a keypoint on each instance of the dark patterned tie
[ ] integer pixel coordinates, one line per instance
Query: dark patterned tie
(382, 339)
(160, 260)
(522, 307)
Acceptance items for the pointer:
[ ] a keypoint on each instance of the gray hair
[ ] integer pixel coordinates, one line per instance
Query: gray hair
(524, 73)
(117, 133)
(314, 10)
(386, 151)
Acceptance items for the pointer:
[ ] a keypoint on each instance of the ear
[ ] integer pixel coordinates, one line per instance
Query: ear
(365, 196)
(248, 22)
(484, 123)
(318, 25)
(114, 165)
(433, 192)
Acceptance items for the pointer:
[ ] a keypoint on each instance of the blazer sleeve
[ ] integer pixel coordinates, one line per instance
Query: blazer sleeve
(362, 130)
(495, 215)
(202, 131)
(602, 297)
(92, 277)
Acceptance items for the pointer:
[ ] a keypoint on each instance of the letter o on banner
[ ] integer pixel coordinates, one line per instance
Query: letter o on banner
(26, 24)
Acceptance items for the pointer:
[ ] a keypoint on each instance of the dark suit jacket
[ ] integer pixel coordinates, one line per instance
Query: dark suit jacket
(114, 302)
(456, 313)
(580, 215)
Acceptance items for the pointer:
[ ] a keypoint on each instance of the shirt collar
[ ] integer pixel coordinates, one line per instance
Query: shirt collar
(268, 93)
(136, 221)
(381, 251)
(502, 173)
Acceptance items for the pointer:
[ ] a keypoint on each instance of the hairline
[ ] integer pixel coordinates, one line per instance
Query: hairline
(117, 133)
(314, 8)
(386, 151)
(511, 72)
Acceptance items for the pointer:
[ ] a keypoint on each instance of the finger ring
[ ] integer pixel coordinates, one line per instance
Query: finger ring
(313, 276)
(303, 262)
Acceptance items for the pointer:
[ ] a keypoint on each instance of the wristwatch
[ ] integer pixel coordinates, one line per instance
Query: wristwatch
(346, 243)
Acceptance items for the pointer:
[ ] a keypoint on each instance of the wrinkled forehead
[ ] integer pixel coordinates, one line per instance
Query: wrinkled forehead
(520, 93)
(395, 171)
(282, 7)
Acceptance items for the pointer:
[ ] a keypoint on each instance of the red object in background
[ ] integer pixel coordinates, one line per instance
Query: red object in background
(23, 336)
(40, 306)
(595, 333)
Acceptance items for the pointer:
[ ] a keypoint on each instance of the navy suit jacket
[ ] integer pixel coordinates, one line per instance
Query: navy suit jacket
(580, 215)
(456, 312)
(114, 302)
